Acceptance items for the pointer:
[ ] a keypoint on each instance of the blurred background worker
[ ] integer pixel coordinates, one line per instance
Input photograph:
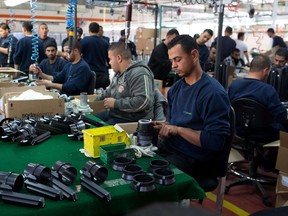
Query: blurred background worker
(7, 46)
(130, 44)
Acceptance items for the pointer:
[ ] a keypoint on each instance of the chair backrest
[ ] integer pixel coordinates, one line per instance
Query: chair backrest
(91, 85)
(251, 115)
(278, 78)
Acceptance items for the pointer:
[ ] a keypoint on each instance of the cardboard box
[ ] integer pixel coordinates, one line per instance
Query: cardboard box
(140, 44)
(8, 84)
(282, 183)
(281, 200)
(282, 159)
(145, 46)
(96, 137)
(271, 52)
(146, 33)
(34, 108)
(283, 139)
(11, 71)
(4, 90)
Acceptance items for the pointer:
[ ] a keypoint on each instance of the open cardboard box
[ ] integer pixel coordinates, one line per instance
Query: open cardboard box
(4, 88)
(11, 71)
(33, 108)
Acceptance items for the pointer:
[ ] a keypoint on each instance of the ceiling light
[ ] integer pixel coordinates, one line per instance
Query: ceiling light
(12, 3)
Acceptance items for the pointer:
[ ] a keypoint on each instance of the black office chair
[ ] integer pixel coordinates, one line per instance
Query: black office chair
(92, 82)
(219, 169)
(251, 117)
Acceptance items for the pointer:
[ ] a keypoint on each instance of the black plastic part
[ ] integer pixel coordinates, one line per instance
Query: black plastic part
(164, 176)
(43, 190)
(158, 163)
(130, 171)
(95, 188)
(120, 162)
(143, 183)
(67, 192)
(40, 138)
(12, 180)
(46, 127)
(22, 199)
(64, 172)
(94, 171)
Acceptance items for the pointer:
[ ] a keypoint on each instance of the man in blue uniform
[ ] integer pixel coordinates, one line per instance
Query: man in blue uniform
(95, 52)
(254, 87)
(43, 34)
(228, 44)
(277, 40)
(7, 46)
(73, 79)
(205, 36)
(53, 63)
(198, 118)
(24, 49)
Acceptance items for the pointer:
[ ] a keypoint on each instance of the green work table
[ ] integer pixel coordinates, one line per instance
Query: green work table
(14, 158)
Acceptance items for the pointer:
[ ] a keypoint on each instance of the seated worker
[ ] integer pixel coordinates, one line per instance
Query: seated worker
(254, 87)
(198, 113)
(73, 79)
(52, 64)
(280, 58)
(210, 64)
(234, 60)
(130, 96)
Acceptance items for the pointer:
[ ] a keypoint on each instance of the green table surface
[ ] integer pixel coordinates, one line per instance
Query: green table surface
(14, 158)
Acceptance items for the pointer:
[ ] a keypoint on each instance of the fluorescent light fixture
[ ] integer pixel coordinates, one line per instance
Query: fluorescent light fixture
(12, 3)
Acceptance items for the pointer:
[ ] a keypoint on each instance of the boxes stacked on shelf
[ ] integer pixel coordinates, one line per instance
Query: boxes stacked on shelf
(282, 166)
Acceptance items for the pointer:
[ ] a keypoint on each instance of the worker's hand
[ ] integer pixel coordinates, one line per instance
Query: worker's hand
(47, 83)
(35, 69)
(166, 130)
(109, 103)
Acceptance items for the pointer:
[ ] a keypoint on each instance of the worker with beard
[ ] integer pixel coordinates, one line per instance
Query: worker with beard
(52, 64)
